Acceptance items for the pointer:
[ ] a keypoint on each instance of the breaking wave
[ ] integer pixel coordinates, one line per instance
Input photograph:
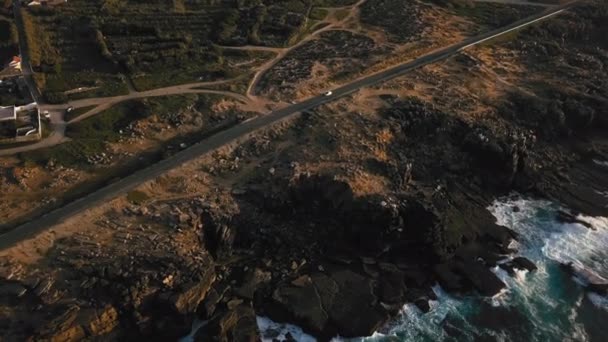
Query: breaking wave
(545, 305)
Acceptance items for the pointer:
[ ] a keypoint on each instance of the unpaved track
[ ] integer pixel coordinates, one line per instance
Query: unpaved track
(282, 53)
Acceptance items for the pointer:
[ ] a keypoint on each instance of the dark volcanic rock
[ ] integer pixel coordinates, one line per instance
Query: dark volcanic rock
(218, 234)
(448, 279)
(320, 193)
(187, 299)
(524, 263)
(486, 282)
(252, 281)
(423, 304)
(391, 284)
(238, 325)
(303, 305)
(207, 307)
(355, 310)
(343, 302)
(102, 322)
(593, 281)
(63, 326)
(508, 267)
(566, 217)
(11, 289)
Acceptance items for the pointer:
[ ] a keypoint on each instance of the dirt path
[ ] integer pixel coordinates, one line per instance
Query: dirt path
(253, 48)
(333, 25)
(105, 103)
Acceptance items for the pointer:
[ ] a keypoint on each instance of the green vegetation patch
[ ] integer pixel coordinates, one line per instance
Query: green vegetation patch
(9, 38)
(318, 13)
(137, 197)
(155, 43)
(105, 126)
(334, 3)
(90, 136)
(400, 19)
(488, 15)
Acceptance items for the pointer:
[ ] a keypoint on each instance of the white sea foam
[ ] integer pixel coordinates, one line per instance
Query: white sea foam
(598, 300)
(272, 331)
(542, 240)
(601, 163)
(196, 325)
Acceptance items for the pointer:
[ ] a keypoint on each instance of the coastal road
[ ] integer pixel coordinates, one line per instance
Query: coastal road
(245, 129)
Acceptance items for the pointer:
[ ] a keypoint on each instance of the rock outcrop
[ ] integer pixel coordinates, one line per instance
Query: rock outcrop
(342, 302)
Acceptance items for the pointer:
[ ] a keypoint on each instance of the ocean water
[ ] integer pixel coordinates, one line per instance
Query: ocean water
(545, 305)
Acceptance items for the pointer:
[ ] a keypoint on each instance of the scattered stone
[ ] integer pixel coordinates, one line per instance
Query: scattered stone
(253, 280)
(238, 324)
(12, 289)
(104, 322)
(302, 281)
(423, 304)
(566, 217)
(232, 304)
(191, 294)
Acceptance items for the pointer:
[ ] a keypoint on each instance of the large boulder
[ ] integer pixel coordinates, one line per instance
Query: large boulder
(355, 310)
(103, 322)
(235, 325)
(302, 304)
(593, 282)
(524, 264)
(500, 158)
(63, 327)
(218, 233)
(186, 299)
(447, 278)
(391, 285)
(252, 281)
(321, 193)
(486, 282)
(342, 303)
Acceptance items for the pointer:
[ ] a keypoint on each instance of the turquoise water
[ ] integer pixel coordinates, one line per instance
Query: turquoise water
(545, 305)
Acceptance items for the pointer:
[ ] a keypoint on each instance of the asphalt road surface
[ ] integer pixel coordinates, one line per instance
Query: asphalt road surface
(244, 130)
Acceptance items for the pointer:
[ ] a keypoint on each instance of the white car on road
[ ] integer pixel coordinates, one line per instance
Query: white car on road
(328, 93)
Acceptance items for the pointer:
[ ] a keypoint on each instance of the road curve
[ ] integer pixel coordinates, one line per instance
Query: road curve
(244, 130)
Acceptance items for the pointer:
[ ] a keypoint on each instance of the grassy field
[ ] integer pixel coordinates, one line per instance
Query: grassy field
(91, 136)
(155, 43)
(76, 113)
(488, 15)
